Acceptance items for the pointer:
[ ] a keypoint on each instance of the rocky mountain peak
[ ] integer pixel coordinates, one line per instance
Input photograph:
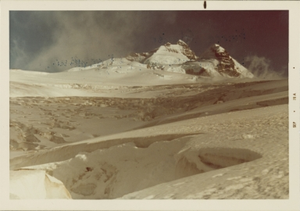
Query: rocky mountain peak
(186, 50)
(181, 42)
(215, 61)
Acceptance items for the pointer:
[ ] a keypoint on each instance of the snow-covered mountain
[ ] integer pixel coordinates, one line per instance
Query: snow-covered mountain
(223, 63)
(167, 54)
(214, 62)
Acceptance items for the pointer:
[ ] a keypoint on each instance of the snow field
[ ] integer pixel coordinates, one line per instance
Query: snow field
(119, 129)
(164, 169)
(265, 176)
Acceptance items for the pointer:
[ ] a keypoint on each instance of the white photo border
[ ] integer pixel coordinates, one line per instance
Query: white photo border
(294, 67)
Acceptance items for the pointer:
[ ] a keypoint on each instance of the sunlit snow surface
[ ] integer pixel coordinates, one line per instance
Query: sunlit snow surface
(168, 55)
(119, 129)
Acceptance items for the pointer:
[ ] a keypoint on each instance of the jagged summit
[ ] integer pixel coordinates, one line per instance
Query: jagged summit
(166, 54)
(214, 51)
(172, 54)
(187, 50)
(182, 43)
(214, 62)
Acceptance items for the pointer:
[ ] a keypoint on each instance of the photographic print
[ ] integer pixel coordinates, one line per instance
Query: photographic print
(149, 104)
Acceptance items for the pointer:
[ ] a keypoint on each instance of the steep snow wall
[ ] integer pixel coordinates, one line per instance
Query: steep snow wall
(36, 184)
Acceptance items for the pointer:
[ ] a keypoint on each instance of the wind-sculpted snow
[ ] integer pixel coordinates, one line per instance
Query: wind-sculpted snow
(121, 166)
(214, 158)
(126, 168)
(120, 169)
(214, 166)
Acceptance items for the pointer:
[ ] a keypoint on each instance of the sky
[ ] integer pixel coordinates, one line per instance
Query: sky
(51, 40)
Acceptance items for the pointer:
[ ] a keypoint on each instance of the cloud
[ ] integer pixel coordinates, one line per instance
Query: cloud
(261, 68)
(17, 54)
(47, 41)
(86, 36)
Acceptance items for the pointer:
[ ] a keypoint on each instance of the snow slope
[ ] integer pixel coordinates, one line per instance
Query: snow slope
(164, 124)
(224, 155)
(165, 140)
(170, 54)
(90, 81)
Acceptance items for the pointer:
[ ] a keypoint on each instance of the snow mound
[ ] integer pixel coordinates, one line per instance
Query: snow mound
(36, 184)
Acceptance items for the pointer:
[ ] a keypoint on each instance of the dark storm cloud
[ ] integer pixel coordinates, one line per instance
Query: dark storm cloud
(29, 34)
(43, 38)
(46, 40)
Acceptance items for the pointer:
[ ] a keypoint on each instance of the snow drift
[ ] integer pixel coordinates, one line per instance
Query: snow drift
(36, 184)
(122, 169)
